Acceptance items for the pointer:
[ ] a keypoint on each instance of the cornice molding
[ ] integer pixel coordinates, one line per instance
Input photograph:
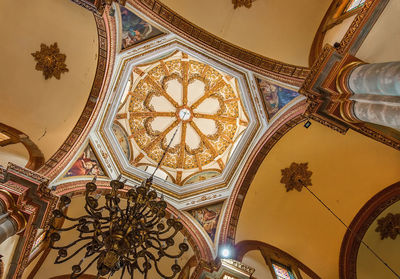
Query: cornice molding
(277, 70)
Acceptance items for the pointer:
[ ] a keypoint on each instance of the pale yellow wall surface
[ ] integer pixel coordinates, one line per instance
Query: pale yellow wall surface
(347, 171)
(45, 110)
(382, 43)
(368, 267)
(281, 30)
(336, 33)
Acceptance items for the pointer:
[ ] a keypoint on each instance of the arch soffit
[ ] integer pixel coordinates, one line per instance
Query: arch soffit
(359, 226)
(246, 246)
(277, 130)
(106, 53)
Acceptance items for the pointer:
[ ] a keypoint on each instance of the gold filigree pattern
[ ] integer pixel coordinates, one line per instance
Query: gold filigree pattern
(296, 176)
(182, 93)
(50, 61)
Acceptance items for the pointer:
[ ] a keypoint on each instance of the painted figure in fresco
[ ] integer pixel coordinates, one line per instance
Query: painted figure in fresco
(85, 165)
(275, 97)
(134, 29)
(208, 218)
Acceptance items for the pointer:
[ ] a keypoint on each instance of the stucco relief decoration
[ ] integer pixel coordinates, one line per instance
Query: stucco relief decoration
(179, 93)
(296, 176)
(241, 3)
(389, 226)
(50, 61)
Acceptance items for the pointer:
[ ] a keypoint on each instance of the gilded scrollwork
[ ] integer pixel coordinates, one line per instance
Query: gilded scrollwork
(296, 176)
(50, 61)
(200, 103)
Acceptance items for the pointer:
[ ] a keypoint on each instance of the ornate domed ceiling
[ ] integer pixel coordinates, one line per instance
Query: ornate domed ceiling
(179, 98)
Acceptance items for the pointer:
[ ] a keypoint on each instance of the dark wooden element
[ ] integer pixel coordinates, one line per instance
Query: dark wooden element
(359, 226)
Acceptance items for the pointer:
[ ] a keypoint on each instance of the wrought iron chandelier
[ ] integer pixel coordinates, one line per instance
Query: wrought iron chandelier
(132, 239)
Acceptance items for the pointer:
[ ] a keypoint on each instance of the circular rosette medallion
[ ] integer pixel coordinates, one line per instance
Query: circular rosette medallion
(182, 96)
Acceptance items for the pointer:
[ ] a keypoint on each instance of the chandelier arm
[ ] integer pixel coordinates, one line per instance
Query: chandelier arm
(151, 256)
(85, 269)
(171, 236)
(69, 245)
(176, 256)
(57, 261)
(123, 272)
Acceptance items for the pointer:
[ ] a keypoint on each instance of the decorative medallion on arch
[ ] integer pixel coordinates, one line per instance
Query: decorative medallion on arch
(180, 95)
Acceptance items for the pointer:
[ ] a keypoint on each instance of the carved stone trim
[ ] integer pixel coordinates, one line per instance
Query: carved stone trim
(33, 198)
(359, 226)
(265, 66)
(81, 128)
(278, 129)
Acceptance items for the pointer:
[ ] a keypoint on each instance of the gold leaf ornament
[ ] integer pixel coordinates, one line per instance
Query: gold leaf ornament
(296, 176)
(50, 61)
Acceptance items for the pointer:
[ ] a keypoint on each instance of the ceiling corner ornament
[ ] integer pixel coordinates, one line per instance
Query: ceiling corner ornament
(50, 61)
(296, 176)
(389, 226)
(241, 3)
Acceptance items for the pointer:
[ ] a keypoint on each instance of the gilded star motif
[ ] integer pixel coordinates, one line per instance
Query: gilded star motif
(50, 61)
(296, 176)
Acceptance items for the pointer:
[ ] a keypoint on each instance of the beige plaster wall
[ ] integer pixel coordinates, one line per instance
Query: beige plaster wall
(46, 110)
(368, 266)
(278, 29)
(382, 42)
(347, 171)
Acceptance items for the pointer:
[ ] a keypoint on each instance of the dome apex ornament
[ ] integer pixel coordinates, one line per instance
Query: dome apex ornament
(241, 3)
(50, 61)
(296, 176)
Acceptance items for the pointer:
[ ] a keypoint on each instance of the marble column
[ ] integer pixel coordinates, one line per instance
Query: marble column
(12, 220)
(375, 92)
(8, 227)
(376, 79)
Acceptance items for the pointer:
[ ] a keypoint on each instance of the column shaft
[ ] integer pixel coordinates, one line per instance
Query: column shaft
(377, 79)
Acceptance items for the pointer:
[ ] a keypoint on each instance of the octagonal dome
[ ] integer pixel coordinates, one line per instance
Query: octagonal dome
(179, 96)
(184, 103)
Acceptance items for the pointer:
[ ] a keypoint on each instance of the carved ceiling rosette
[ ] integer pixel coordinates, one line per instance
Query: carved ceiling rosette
(296, 176)
(241, 3)
(389, 226)
(50, 61)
